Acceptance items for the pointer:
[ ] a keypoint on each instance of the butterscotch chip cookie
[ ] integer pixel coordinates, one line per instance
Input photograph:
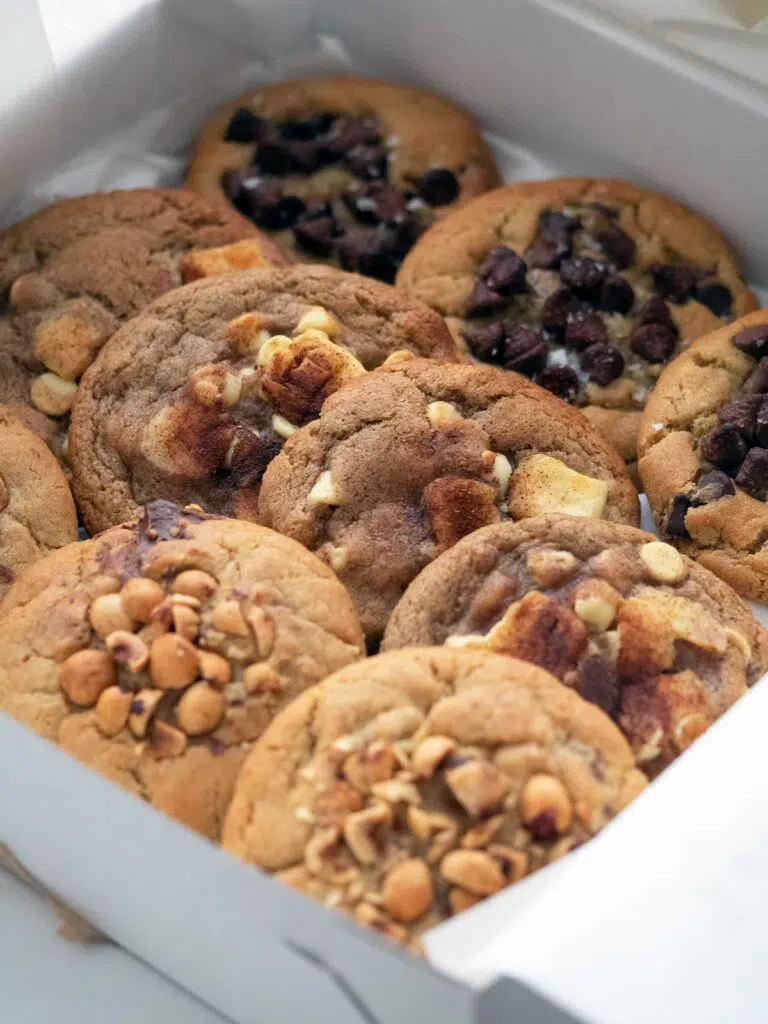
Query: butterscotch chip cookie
(158, 652)
(192, 399)
(655, 640)
(410, 786)
(344, 170)
(590, 286)
(74, 272)
(37, 513)
(704, 453)
(406, 461)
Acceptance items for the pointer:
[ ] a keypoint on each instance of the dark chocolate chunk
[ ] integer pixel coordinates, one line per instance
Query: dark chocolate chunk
(617, 246)
(439, 187)
(308, 129)
(556, 311)
(753, 475)
(369, 162)
(316, 235)
(676, 519)
(523, 350)
(245, 126)
(656, 311)
(555, 222)
(250, 453)
(547, 251)
(503, 271)
(486, 342)
(673, 282)
(274, 158)
(715, 296)
(653, 341)
(599, 684)
(761, 423)
(616, 295)
(583, 275)
(583, 329)
(757, 382)
(560, 380)
(603, 363)
(283, 215)
(369, 252)
(724, 447)
(231, 183)
(741, 413)
(752, 340)
(350, 132)
(483, 299)
(371, 204)
(711, 487)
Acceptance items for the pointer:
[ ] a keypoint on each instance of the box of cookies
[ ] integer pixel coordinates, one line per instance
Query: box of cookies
(383, 481)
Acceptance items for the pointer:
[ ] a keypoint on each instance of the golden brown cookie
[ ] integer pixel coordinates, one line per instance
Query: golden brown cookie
(192, 399)
(75, 271)
(37, 513)
(344, 170)
(406, 461)
(410, 786)
(655, 640)
(590, 286)
(704, 453)
(159, 651)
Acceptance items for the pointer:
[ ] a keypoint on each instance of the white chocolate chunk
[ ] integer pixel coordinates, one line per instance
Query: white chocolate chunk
(501, 472)
(595, 611)
(318, 319)
(468, 640)
(52, 394)
(323, 492)
(545, 484)
(230, 393)
(269, 349)
(439, 413)
(663, 562)
(283, 427)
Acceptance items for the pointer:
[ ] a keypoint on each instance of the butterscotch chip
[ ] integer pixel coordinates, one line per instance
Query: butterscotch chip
(650, 644)
(250, 254)
(167, 717)
(467, 811)
(375, 477)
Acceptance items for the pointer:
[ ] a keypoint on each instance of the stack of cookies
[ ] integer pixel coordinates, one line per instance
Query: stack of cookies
(354, 437)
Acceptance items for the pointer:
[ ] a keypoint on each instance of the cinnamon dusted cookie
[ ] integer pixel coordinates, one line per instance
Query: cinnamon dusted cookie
(590, 286)
(406, 461)
(652, 638)
(75, 271)
(37, 513)
(704, 453)
(410, 786)
(192, 399)
(159, 651)
(345, 170)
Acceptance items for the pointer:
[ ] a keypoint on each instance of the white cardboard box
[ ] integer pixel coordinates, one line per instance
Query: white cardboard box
(661, 917)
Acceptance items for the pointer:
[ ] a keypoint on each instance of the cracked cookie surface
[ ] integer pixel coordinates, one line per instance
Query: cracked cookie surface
(703, 448)
(74, 272)
(407, 788)
(193, 398)
(655, 640)
(37, 513)
(405, 461)
(343, 170)
(590, 286)
(158, 652)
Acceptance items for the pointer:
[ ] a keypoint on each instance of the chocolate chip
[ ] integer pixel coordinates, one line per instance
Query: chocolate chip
(675, 283)
(439, 187)
(654, 342)
(369, 162)
(603, 363)
(742, 414)
(597, 683)
(316, 235)
(556, 311)
(244, 126)
(604, 211)
(273, 158)
(616, 295)
(757, 382)
(483, 299)
(260, 200)
(306, 155)
(503, 271)
(371, 204)
(724, 447)
(656, 311)
(560, 380)
(369, 253)
(231, 183)
(284, 215)
(761, 423)
(753, 475)
(486, 342)
(250, 454)
(711, 487)
(582, 274)
(676, 519)
(555, 222)
(308, 129)
(715, 296)
(617, 246)
(547, 251)
(752, 340)
(350, 132)
(523, 350)
(583, 329)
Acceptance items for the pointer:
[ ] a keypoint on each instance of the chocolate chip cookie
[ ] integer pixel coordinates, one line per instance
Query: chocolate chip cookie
(406, 461)
(704, 453)
(37, 513)
(652, 638)
(75, 271)
(342, 170)
(159, 651)
(192, 399)
(590, 286)
(410, 786)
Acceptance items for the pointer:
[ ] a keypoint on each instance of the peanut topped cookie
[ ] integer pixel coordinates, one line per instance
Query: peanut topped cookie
(37, 513)
(704, 453)
(192, 399)
(158, 652)
(75, 271)
(405, 461)
(587, 285)
(410, 786)
(652, 638)
(345, 170)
